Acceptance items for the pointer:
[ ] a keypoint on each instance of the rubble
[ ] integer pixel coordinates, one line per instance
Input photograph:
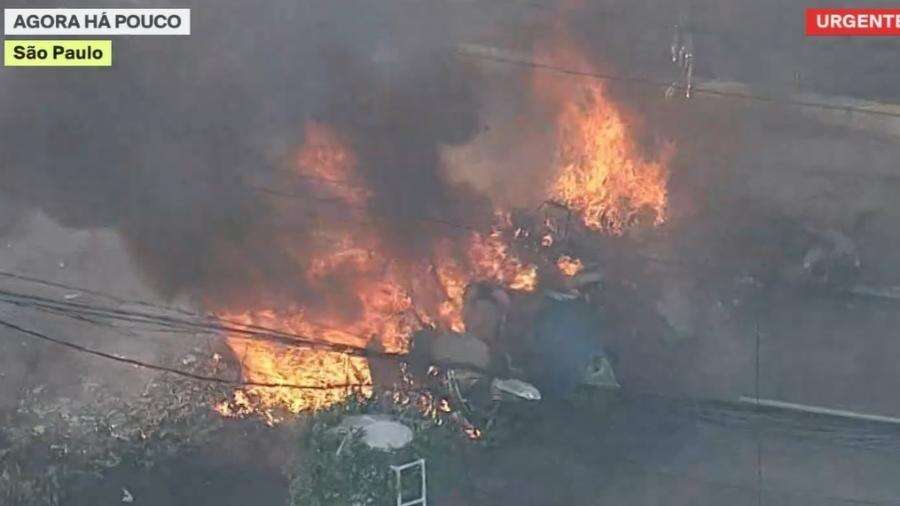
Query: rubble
(585, 278)
(452, 349)
(484, 310)
(51, 440)
(600, 373)
(516, 388)
(381, 432)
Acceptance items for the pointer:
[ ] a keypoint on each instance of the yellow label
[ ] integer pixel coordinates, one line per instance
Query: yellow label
(57, 53)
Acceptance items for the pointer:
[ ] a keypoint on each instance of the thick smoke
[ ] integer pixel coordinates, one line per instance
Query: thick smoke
(170, 145)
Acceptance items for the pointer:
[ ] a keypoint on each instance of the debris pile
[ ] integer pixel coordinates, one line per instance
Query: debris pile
(50, 441)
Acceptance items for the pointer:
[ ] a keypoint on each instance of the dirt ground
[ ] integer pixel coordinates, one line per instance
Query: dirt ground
(599, 449)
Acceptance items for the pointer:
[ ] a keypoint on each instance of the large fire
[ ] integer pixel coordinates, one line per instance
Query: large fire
(384, 289)
(600, 172)
(488, 259)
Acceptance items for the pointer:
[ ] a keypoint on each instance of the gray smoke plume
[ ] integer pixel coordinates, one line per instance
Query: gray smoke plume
(168, 146)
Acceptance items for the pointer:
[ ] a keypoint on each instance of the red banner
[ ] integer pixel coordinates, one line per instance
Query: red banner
(858, 22)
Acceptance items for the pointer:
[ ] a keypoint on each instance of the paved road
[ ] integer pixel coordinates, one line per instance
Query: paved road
(655, 451)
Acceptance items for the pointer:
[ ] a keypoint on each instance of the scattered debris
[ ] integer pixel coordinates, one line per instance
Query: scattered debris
(484, 310)
(586, 277)
(515, 388)
(562, 296)
(50, 440)
(387, 435)
(126, 496)
(381, 432)
(600, 373)
(459, 349)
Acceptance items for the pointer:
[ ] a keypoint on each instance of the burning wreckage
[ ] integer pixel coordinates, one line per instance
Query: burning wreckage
(502, 346)
(457, 327)
(480, 369)
(500, 310)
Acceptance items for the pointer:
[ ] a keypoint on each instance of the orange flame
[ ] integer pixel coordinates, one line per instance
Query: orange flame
(268, 362)
(493, 261)
(326, 160)
(569, 266)
(488, 259)
(382, 287)
(600, 170)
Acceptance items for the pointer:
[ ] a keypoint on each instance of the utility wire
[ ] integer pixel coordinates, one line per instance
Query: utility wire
(96, 293)
(650, 82)
(199, 377)
(725, 414)
(218, 380)
(212, 324)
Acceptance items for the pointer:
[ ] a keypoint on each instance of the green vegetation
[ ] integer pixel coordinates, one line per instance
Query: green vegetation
(333, 470)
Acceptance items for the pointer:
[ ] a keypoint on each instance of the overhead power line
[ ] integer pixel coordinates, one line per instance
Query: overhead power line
(97, 293)
(698, 90)
(207, 323)
(145, 365)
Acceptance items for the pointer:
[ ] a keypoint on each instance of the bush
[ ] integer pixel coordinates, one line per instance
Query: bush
(336, 471)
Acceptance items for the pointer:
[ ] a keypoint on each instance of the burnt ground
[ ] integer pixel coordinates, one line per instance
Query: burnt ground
(599, 449)
(243, 464)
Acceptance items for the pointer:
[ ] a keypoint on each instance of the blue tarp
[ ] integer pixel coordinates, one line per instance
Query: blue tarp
(567, 340)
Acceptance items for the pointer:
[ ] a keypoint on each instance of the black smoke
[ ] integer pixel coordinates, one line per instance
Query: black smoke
(169, 146)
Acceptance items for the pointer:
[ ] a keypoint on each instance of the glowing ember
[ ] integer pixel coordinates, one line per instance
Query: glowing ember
(453, 279)
(489, 259)
(492, 261)
(568, 265)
